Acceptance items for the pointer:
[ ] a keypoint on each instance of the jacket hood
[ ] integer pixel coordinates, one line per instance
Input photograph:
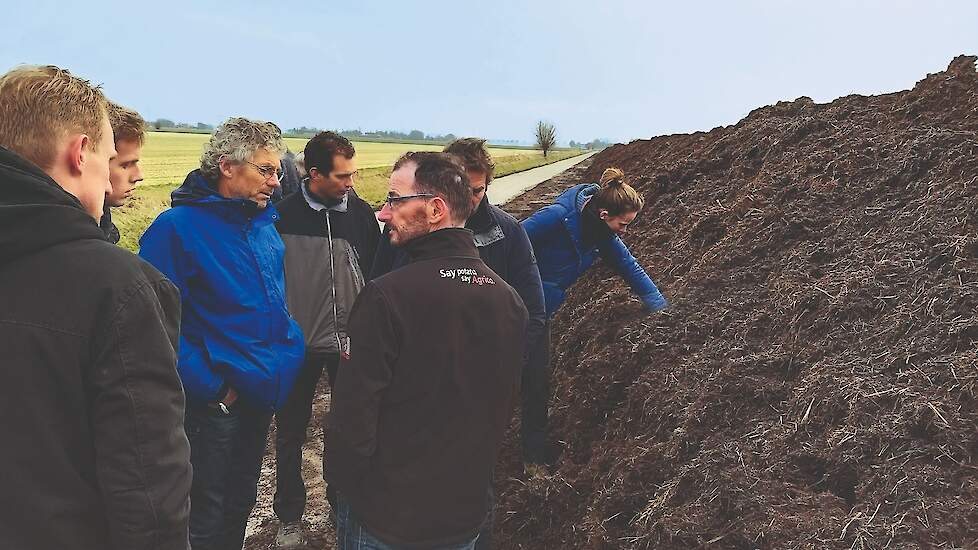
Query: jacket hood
(35, 212)
(574, 198)
(195, 190)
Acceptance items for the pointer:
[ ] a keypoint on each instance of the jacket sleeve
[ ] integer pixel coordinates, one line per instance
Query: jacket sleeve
(617, 254)
(543, 221)
(525, 278)
(383, 261)
(371, 241)
(361, 385)
(141, 451)
(160, 246)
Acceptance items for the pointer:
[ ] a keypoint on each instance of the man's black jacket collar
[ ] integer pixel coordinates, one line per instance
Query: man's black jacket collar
(452, 241)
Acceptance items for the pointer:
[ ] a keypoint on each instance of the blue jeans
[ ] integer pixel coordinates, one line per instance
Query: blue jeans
(226, 452)
(351, 535)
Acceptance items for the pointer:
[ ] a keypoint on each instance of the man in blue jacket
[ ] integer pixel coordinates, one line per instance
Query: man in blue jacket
(240, 351)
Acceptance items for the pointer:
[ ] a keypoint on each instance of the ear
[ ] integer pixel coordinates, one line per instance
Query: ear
(603, 214)
(437, 210)
(226, 168)
(78, 153)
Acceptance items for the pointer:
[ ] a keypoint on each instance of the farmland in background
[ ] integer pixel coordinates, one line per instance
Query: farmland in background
(168, 157)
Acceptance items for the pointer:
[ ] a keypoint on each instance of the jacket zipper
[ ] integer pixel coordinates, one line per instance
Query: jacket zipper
(332, 276)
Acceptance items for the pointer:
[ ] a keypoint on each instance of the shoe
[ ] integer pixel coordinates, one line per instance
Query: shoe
(535, 471)
(290, 536)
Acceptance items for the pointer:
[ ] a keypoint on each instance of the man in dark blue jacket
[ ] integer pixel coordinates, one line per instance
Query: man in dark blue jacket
(502, 244)
(240, 350)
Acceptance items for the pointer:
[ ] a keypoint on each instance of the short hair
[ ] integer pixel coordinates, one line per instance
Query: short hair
(237, 140)
(443, 175)
(300, 163)
(474, 156)
(127, 125)
(321, 149)
(39, 106)
(615, 195)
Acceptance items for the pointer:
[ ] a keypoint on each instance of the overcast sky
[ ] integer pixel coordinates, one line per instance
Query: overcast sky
(600, 69)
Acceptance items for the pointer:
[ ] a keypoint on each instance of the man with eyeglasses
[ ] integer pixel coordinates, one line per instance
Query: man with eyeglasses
(421, 405)
(330, 237)
(504, 246)
(240, 350)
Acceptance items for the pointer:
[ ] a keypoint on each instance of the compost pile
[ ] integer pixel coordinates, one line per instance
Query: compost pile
(814, 382)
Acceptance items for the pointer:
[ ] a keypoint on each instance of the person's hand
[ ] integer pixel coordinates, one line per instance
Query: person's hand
(230, 397)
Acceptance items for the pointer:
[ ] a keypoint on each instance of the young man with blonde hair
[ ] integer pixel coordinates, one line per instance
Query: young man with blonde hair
(124, 170)
(91, 409)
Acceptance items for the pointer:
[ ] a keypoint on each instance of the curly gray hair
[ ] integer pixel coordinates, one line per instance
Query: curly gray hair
(237, 140)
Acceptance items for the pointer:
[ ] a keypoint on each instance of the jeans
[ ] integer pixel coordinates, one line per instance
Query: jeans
(484, 542)
(226, 452)
(536, 395)
(291, 423)
(350, 535)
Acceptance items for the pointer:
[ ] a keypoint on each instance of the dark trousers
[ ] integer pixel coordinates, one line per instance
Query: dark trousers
(291, 422)
(226, 452)
(536, 395)
(352, 535)
(484, 542)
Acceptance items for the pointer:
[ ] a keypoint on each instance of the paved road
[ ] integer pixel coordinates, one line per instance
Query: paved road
(505, 188)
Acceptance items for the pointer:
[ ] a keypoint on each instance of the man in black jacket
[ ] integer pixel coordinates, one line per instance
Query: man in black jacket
(330, 237)
(91, 408)
(502, 244)
(420, 407)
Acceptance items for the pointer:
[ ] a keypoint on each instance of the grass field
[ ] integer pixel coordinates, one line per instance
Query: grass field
(168, 157)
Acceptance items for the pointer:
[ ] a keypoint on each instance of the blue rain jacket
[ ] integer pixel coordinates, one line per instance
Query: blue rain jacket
(555, 232)
(226, 257)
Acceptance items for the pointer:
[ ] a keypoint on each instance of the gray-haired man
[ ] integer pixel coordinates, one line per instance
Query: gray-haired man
(240, 351)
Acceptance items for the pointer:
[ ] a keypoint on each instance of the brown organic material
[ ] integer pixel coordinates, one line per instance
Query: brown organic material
(814, 382)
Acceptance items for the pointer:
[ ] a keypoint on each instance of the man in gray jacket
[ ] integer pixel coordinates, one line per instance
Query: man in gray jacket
(330, 237)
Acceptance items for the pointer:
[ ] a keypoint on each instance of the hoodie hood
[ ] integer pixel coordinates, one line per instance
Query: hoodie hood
(35, 212)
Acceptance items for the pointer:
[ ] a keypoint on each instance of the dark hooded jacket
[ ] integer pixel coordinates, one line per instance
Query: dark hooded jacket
(91, 409)
(105, 224)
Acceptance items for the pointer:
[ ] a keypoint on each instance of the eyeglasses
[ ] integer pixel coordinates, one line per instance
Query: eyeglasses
(393, 201)
(267, 171)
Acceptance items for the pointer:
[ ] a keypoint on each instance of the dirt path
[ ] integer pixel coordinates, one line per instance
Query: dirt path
(263, 524)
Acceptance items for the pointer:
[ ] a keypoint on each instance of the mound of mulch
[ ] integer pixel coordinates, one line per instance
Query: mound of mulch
(814, 383)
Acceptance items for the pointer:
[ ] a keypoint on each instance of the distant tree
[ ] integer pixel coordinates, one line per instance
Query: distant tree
(203, 126)
(546, 136)
(573, 144)
(416, 134)
(163, 123)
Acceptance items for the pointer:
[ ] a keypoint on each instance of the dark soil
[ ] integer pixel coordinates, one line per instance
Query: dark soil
(813, 384)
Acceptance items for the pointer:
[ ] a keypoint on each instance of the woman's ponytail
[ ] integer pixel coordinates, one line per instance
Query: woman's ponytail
(615, 195)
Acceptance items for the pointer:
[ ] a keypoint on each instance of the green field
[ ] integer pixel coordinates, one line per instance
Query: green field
(168, 157)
